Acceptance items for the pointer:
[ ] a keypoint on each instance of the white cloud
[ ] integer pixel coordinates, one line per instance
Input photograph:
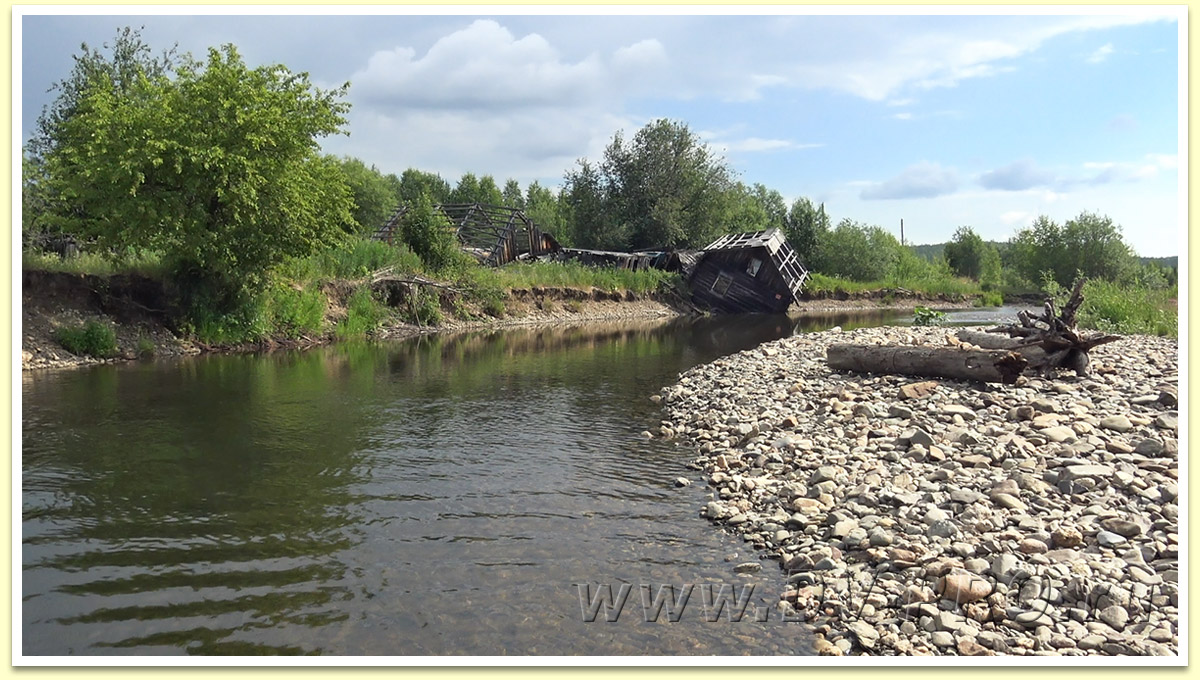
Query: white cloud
(888, 58)
(922, 180)
(1018, 176)
(485, 66)
(1016, 217)
(758, 144)
(1166, 161)
(484, 100)
(1109, 172)
(1101, 54)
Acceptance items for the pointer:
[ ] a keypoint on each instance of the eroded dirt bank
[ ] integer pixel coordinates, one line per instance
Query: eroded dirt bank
(139, 309)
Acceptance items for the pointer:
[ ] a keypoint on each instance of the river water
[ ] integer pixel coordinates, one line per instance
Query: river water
(437, 496)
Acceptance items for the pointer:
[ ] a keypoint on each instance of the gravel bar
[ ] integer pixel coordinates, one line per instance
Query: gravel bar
(939, 517)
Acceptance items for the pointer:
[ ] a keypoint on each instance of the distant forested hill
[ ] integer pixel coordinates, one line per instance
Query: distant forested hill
(932, 251)
(1168, 262)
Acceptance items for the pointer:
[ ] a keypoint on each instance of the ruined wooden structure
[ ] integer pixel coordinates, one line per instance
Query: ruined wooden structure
(495, 235)
(682, 261)
(748, 272)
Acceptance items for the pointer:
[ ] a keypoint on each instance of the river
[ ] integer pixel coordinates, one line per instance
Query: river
(438, 496)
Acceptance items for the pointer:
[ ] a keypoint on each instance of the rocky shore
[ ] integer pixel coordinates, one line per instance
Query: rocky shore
(922, 517)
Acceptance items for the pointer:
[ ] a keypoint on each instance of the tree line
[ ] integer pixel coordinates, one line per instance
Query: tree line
(218, 166)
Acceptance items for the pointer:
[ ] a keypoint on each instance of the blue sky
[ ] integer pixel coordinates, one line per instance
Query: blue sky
(942, 121)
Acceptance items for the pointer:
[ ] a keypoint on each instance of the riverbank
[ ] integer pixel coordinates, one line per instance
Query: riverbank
(135, 308)
(968, 519)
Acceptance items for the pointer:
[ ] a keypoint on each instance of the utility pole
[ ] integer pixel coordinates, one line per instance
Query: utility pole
(901, 231)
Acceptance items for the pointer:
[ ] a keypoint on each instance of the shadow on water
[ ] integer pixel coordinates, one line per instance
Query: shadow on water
(443, 495)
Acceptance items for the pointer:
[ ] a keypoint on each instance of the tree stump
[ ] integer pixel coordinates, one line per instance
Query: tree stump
(1054, 334)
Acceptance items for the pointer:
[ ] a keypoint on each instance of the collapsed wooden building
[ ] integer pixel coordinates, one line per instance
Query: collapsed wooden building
(495, 235)
(750, 272)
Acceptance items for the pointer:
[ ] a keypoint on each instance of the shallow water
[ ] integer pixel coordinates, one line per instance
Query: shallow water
(443, 495)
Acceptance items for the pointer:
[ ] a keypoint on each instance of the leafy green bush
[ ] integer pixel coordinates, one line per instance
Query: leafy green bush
(295, 311)
(1113, 308)
(363, 314)
(423, 308)
(989, 299)
(429, 235)
(93, 338)
(145, 347)
(924, 316)
(495, 308)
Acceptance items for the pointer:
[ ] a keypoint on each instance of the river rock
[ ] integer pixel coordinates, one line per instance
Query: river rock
(1011, 502)
(1066, 537)
(962, 588)
(1015, 523)
(1061, 433)
(1117, 423)
(1122, 527)
(1114, 616)
(1149, 447)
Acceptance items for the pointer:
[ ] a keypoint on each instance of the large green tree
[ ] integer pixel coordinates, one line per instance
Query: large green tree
(586, 201)
(472, 189)
(414, 183)
(123, 63)
(1089, 244)
(218, 167)
(806, 227)
(513, 197)
(545, 209)
(374, 195)
(662, 188)
(858, 251)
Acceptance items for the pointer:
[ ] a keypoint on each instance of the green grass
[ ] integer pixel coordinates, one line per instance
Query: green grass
(817, 282)
(145, 347)
(1130, 309)
(363, 315)
(145, 263)
(989, 299)
(294, 312)
(423, 308)
(574, 275)
(93, 339)
(353, 260)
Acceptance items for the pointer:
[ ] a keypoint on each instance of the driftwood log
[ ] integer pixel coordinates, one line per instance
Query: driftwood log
(1050, 341)
(1034, 354)
(1001, 366)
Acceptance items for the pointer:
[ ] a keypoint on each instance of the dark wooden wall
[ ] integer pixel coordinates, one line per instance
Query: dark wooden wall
(766, 293)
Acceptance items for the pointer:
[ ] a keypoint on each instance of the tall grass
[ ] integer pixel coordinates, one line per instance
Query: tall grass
(1130, 309)
(93, 338)
(143, 262)
(353, 260)
(363, 315)
(294, 311)
(817, 282)
(575, 275)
